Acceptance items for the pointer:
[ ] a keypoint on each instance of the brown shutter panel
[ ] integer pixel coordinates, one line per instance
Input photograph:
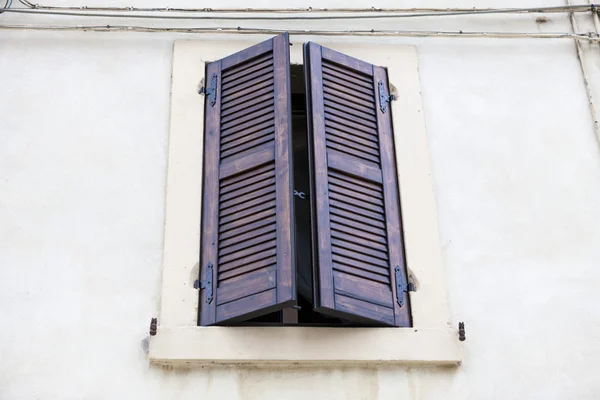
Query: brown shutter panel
(247, 223)
(357, 236)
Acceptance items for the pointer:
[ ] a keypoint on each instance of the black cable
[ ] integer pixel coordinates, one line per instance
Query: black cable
(6, 6)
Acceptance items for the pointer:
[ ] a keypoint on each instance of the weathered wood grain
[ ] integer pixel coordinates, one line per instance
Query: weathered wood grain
(247, 224)
(355, 189)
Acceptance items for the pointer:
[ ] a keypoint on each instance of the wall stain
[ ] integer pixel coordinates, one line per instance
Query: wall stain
(374, 385)
(194, 274)
(200, 85)
(242, 378)
(412, 278)
(393, 90)
(412, 387)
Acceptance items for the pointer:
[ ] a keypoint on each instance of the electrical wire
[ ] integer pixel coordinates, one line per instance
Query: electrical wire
(305, 9)
(239, 30)
(6, 6)
(407, 13)
(594, 15)
(585, 73)
(381, 15)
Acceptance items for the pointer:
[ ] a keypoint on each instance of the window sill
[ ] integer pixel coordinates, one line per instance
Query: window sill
(183, 346)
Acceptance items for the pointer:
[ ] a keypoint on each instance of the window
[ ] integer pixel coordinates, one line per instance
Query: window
(254, 254)
(430, 339)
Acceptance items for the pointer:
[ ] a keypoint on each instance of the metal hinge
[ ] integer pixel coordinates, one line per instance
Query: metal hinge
(401, 286)
(384, 98)
(207, 283)
(211, 91)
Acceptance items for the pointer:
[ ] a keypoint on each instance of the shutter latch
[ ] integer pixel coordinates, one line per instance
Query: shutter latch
(401, 286)
(207, 283)
(384, 98)
(302, 195)
(211, 91)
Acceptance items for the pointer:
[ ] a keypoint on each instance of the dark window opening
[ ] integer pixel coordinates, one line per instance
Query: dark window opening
(303, 313)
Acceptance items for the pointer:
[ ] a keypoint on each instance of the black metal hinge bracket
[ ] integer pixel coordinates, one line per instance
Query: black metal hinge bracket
(402, 286)
(384, 98)
(206, 284)
(211, 91)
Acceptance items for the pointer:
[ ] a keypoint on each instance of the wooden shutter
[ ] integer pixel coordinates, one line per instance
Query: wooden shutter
(247, 257)
(357, 233)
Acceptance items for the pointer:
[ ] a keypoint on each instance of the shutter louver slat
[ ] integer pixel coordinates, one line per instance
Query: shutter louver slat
(244, 205)
(250, 66)
(249, 74)
(240, 112)
(361, 272)
(247, 126)
(349, 73)
(357, 241)
(338, 99)
(265, 252)
(251, 98)
(247, 220)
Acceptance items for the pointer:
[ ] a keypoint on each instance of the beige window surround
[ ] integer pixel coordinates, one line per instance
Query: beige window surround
(179, 340)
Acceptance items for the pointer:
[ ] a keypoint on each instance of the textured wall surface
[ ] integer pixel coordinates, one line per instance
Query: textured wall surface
(84, 132)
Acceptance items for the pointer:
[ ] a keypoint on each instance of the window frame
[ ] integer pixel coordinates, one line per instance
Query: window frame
(179, 341)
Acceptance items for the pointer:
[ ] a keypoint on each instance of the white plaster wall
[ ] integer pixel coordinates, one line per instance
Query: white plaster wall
(84, 123)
